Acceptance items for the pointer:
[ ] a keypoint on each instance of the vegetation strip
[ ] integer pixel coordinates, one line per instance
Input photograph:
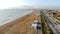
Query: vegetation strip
(44, 26)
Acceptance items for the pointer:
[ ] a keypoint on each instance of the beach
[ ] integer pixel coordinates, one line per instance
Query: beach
(20, 25)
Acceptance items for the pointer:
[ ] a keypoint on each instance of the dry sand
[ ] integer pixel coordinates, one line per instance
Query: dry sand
(21, 25)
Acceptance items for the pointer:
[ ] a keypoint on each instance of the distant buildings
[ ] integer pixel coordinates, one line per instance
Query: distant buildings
(54, 13)
(58, 12)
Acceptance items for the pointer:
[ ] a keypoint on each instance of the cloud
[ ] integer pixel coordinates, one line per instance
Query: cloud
(5, 4)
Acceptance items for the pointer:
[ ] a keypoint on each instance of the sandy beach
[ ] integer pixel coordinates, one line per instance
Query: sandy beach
(20, 25)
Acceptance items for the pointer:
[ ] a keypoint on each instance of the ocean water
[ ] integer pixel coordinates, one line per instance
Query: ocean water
(11, 14)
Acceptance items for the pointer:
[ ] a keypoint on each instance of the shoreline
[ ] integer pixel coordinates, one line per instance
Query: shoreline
(3, 23)
(20, 24)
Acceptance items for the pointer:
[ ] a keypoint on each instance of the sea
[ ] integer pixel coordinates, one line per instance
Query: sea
(8, 15)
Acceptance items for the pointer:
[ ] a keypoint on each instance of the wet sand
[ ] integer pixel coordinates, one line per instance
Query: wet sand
(20, 25)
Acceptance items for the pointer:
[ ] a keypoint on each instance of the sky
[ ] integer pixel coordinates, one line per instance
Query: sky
(6, 4)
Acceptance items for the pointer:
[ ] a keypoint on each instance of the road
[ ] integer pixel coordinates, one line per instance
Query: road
(39, 24)
(53, 24)
(36, 25)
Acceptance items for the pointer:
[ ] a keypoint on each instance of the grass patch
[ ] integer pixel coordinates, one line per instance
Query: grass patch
(58, 18)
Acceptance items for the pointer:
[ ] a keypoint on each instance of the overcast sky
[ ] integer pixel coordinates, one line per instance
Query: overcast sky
(4, 4)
